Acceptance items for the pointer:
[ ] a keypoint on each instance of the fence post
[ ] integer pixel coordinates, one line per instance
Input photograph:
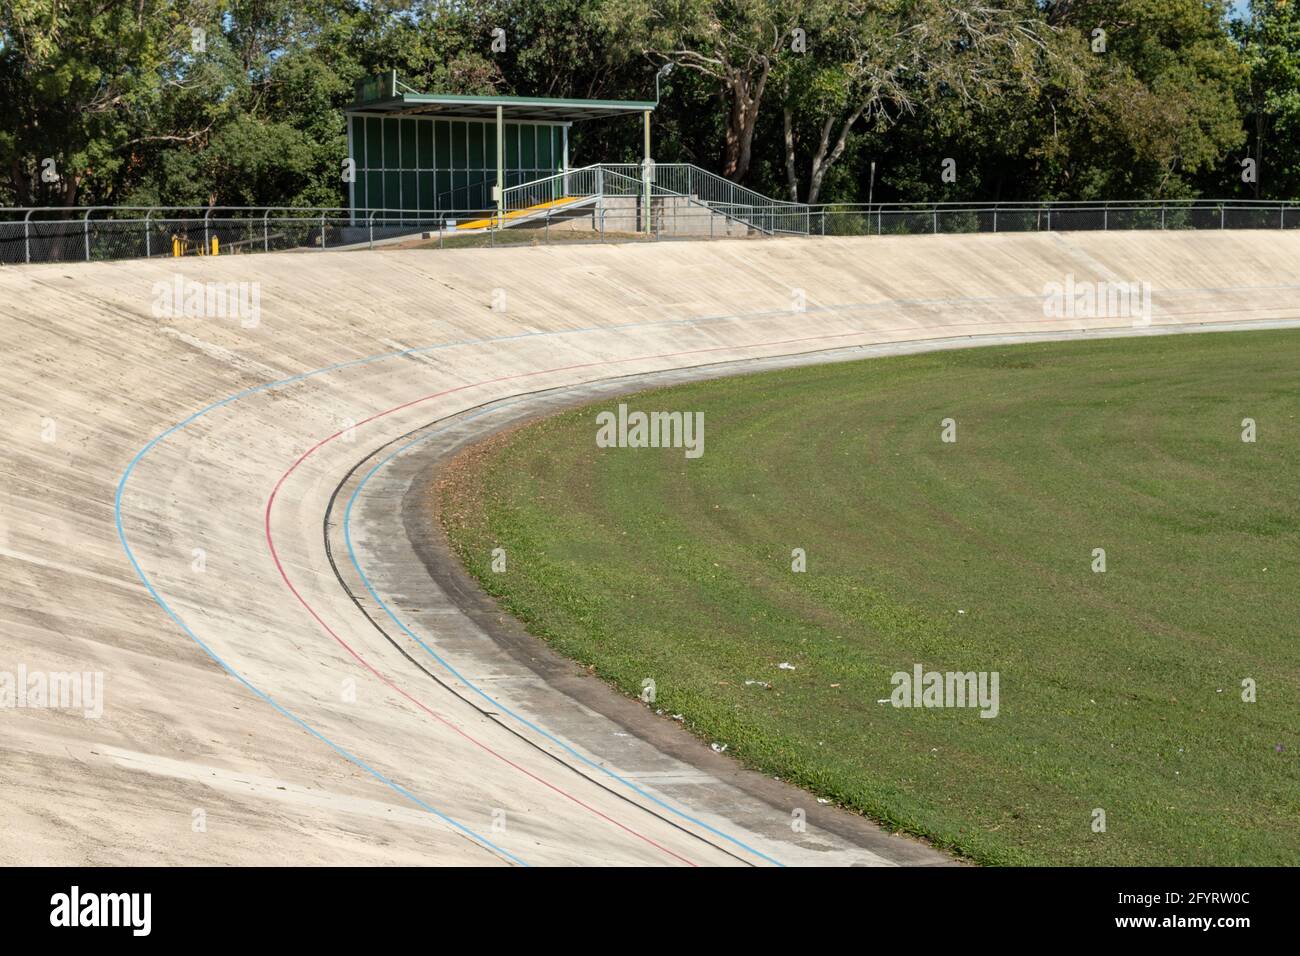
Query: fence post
(1221, 216)
(995, 220)
(1105, 218)
(1049, 218)
(371, 220)
(1162, 215)
(322, 230)
(547, 237)
(85, 228)
(148, 248)
(27, 234)
(936, 220)
(206, 244)
(266, 231)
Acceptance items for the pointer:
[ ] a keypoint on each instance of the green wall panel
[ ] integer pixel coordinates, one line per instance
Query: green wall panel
(442, 144)
(408, 144)
(391, 158)
(476, 158)
(527, 146)
(374, 143)
(544, 147)
(425, 158)
(414, 163)
(512, 146)
(458, 153)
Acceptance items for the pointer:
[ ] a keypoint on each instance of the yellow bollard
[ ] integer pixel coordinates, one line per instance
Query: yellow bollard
(176, 247)
(214, 245)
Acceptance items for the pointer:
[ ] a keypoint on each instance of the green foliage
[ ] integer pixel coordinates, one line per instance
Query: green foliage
(1271, 39)
(80, 84)
(1156, 112)
(1119, 689)
(118, 97)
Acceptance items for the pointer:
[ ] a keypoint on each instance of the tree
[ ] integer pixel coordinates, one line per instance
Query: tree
(80, 87)
(1160, 110)
(797, 97)
(734, 43)
(874, 62)
(1271, 42)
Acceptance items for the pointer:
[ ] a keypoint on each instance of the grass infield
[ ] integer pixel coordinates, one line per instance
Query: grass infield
(1120, 691)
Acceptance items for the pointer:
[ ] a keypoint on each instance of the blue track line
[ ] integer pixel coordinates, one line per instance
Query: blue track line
(135, 564)
(396, 787)
(666, 323)
(352, 555)
(267, 386)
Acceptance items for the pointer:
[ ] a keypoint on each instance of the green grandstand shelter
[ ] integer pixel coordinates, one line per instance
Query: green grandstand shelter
(430, 152)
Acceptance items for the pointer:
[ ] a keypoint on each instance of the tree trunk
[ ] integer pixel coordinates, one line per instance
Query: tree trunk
(791, 172)
(742, 119)
(826, 154)
(21, 184)
(1259, 150)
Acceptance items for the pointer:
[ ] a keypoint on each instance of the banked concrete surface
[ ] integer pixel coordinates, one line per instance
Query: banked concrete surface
(253, 711)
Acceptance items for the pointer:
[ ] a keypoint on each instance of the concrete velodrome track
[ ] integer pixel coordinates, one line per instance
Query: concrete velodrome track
(318, 683)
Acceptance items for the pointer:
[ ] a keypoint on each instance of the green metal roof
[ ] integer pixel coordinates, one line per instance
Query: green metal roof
(386, 94)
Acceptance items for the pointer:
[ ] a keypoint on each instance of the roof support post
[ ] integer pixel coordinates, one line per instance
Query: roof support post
(501, 165)
(352, 173)
(565, 128)
(645, 206)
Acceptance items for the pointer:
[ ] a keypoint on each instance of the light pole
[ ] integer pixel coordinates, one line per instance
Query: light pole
(647, 165)
(663, 71)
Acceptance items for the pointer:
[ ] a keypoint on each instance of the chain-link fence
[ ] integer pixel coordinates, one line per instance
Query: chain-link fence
(99, 234)
(104, 233)
(916, 219)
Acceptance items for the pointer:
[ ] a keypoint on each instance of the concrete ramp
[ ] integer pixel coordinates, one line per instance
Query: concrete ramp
(180, 439)
(528, 214)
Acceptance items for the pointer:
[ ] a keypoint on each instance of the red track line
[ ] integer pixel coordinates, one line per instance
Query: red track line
(270, 541)
(436, 716)
(270, 503)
